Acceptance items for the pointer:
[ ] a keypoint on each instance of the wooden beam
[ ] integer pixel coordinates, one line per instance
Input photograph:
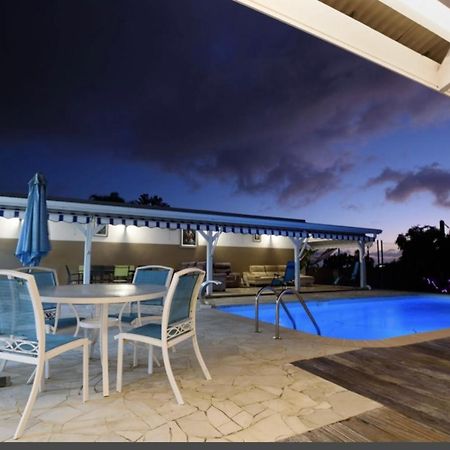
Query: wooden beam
(326, 23)
(431, 14)
(444, 75)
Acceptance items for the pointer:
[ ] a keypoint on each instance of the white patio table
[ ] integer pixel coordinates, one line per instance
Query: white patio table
(101, 295)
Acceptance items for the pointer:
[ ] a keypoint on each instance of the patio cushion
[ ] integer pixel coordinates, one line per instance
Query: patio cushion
(128, 318)
(63, 322)
(152, 330)
(53, 340)
(271, 269)
(155, 301)
(257, 269)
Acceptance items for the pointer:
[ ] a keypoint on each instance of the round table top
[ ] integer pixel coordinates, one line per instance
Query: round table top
(101, 293)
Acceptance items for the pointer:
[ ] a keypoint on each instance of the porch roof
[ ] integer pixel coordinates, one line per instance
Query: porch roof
(82, 212)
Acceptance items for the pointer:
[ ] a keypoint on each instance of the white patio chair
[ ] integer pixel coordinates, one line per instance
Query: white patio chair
(177, 325)
(23, 338)
(48, 277)
(152, 274)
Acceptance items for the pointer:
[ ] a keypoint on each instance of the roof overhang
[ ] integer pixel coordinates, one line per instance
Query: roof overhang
(173, 218)
(410, 37)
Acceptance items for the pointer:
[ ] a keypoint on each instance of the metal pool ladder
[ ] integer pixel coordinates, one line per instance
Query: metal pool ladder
(279, 301)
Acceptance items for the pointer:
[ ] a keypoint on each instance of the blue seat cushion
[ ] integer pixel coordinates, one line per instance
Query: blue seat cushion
(152, 330)
(63, 322)
(155, 302)
(52, 341)
(128, 318)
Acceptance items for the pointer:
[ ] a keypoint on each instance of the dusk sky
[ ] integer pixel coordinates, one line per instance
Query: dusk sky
(212, 105)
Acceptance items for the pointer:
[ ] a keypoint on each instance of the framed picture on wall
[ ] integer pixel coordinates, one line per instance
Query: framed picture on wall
(103, 231)
(188, 238)
(256, 238)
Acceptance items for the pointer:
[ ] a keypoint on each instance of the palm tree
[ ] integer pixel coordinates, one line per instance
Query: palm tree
(154, 200)
(143, 200)
(113, 197)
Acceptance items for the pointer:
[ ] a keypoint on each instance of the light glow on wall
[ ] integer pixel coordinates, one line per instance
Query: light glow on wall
(9, 228)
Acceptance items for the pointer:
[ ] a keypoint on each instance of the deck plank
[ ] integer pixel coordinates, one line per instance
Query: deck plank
(379, 425)
(412, 380)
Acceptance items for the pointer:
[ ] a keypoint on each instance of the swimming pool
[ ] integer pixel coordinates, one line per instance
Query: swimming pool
(360, 318)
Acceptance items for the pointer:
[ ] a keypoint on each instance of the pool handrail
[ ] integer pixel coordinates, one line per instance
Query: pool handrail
(203, 287)
(270, 289)
(301, 301)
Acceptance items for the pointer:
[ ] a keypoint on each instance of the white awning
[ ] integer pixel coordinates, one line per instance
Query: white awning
(172, 218)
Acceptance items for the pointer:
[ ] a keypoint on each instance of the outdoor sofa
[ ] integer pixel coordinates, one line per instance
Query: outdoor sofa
(263, 275)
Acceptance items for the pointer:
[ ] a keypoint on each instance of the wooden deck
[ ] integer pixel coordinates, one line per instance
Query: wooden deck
(413, 381)
(379, 425)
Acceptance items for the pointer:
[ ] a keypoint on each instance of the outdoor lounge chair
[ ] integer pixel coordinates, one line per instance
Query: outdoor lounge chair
(288, 278)
(177, 325)
(23, 338)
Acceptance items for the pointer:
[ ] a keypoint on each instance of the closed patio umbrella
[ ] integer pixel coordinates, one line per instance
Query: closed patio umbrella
(33, 239)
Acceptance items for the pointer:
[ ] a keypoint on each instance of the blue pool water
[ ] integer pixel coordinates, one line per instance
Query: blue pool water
(360, 318)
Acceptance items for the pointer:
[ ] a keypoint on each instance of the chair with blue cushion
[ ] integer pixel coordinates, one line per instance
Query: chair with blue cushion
(177, 325)
(158, 275)
(48, 277)
(288, 279)
(22, 334)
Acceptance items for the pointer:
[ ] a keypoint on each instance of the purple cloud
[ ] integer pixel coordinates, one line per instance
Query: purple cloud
(202, 100)
(431, 178)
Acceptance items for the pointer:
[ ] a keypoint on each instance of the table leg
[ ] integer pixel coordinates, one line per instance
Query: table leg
(104, 350)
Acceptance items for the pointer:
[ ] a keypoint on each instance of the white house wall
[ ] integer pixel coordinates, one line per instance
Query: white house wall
(60, 231)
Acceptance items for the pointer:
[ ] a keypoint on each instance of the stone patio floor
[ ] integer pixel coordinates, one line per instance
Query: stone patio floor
(255, 393)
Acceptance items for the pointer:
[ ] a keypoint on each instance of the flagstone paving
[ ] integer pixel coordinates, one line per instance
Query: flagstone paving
(255, 393)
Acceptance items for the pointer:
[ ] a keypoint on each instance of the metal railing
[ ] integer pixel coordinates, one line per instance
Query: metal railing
(301, 301)
(270, 289)
(203, 288)
(279, 301)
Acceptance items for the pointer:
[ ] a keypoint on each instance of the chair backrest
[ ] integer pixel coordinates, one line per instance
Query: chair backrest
(22, 326)
(289, 273)
(159, 275)
(121, 271)
(44, 277)
(178, 314)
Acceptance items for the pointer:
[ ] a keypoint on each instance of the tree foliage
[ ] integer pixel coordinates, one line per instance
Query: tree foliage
(143, 199)
(113, 197)
(154, 200)
(425, 255)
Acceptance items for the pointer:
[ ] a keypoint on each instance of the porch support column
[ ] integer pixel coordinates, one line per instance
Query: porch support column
(211, 238)
(298, 244)
(362, 264)
(88, 230)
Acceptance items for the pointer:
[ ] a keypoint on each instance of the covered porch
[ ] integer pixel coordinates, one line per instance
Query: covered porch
(227, 233)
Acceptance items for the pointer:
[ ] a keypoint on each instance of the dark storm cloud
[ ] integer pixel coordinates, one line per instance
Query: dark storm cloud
(431, 178)
(204, 90)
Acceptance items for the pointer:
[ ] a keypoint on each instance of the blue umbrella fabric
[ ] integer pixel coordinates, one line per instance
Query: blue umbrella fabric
(33, 240)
